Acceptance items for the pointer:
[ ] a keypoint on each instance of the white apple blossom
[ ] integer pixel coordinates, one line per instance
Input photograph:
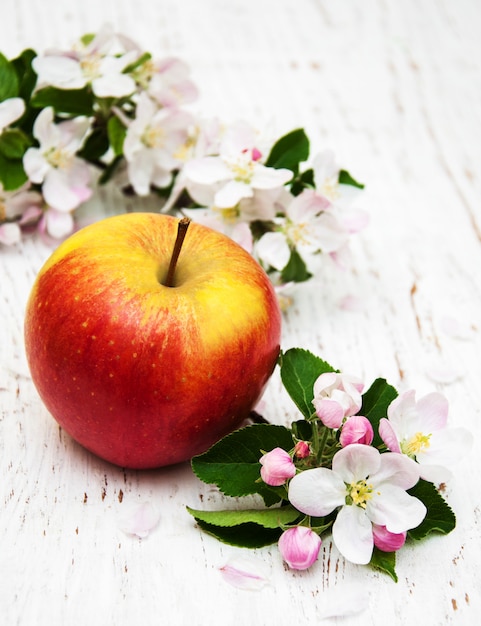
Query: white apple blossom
(10, 111)
(154, 144)
(167, 81)
(336, 396)
(419, 430)
(233, 227)
(309, 227)
(99, 62)
(367, 488)
(17, 207)
(64, 177)
(236, 178)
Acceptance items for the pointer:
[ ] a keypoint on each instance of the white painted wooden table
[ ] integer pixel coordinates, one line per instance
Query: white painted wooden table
(395, 88)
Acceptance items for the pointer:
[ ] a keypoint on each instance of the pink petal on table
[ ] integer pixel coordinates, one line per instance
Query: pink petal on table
(245, 573)
(351, 303)
(139, 519)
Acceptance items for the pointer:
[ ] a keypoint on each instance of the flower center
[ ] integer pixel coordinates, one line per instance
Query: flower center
(153, 137)
(90, 67)
(242, 170)
(330, 188)
(359, 493)
(143, 74)
(229, 215)
(415, 445)
(57, 158)
(297, 233)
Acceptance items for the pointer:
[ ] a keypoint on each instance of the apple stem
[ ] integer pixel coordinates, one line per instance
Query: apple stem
(182, 227)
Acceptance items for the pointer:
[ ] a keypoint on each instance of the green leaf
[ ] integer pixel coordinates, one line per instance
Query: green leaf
(299, 371)
(295, 270)
(303, 181)
(140, 61)
(95, 146)
(375, 402)
(8, 79)
(110, 170)
(69, 101)
(12, 174)
(233, 463)
(27, 79)
(289, 151)
(13, 143)
(247, 535)
(116, 132)
(346, 179)
(384, 561)
(267, 518)
(439, 517)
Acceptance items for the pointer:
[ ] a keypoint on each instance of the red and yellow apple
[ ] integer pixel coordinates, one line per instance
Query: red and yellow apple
(140, 373)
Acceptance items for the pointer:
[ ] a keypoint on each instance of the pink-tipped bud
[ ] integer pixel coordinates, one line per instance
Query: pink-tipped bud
(387, 541)
(302, 450)
(299, 547)
(256, 154)
(277, 467)
(356, 429)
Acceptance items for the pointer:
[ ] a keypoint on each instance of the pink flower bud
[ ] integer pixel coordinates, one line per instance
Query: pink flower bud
(356, 429)
(277, 467)
(387, 541)
(302, 450)
(299, 547)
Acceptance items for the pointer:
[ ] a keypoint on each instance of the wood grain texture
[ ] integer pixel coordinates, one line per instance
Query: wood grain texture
(395, 89)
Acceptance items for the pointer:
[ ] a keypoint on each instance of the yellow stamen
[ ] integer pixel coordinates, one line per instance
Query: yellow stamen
(359, 493)
(418, 443)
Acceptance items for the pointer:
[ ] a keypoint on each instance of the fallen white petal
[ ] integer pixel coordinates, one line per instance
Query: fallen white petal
(441, 372)
(245, 573)
(139, 519)
(343, 600)
(456, 328)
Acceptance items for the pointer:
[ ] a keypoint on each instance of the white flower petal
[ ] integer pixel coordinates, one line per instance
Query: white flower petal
(245, 573)
(207, 170)
(35, 165)
(317, 491)
(273, 250)
(446, 447)
(433, 411)
(139, 519)
(10, 111)
(58, 224)
(352, 534)
(397, 469)
(392, 507)
(58, 191)
(343, 600)
(356, 462)
(59, 71)
(232, 193)
(9, 234)
(113, 86)
(269, 177)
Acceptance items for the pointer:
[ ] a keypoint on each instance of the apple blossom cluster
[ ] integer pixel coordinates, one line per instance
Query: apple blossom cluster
(105, 110)
(364, 466)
